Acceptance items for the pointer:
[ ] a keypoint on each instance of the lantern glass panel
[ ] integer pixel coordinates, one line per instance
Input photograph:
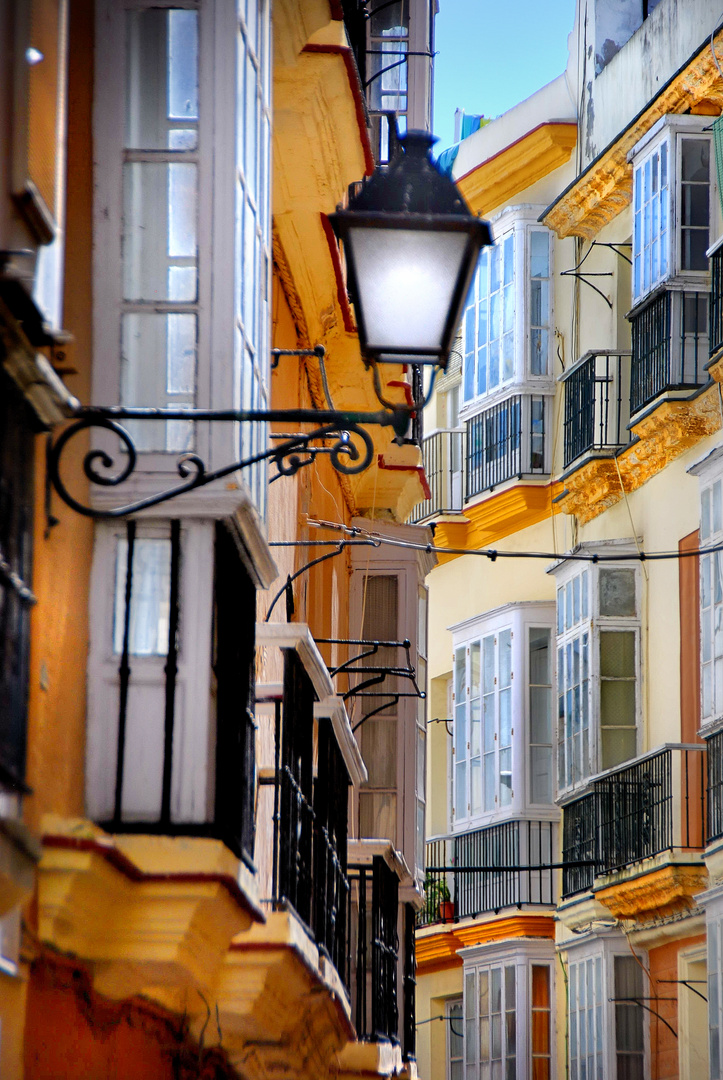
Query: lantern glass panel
(406, 282)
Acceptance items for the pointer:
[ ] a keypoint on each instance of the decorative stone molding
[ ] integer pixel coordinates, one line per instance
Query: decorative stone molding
(281, 1005)
(654, 891)
(437, 947)
(667, 431)
(606, 186)
(144, 911)
(496, 181)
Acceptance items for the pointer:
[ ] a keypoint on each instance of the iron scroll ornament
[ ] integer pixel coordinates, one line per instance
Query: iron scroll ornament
(102, 469)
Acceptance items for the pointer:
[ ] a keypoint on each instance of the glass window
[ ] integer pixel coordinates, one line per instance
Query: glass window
(539, 302)
(455, 1039)
(150, 599)
(597, 673)
(654, 214)
(695, 203)
(585, 990)
(711, 604)
(629, 1018)
(651, 255)
(540, 666)
(160, 220)
(541, 1042)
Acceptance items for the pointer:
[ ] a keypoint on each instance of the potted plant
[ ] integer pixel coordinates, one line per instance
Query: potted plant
(439, 904)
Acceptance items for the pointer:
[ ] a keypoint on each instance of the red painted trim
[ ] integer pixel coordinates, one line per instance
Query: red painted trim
(337, 11)
(108, 851)
(544, 124)
(349, 324)
(405, 386)
(419, 469)
(352, 73)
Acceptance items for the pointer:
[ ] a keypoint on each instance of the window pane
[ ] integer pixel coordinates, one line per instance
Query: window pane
(150, 597)
(617, 653)
(158, 365)
(161, 77)
(159, 229)
(617, 592)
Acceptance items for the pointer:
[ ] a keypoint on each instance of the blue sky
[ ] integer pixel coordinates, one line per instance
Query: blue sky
(493, 53)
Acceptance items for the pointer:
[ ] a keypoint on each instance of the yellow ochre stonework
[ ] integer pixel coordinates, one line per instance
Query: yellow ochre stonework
(664, 891)
(606, 187)
(660, 437)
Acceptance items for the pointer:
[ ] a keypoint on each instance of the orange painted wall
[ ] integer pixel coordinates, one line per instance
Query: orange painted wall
(62, 554)
(71, 1032)
(663, 963)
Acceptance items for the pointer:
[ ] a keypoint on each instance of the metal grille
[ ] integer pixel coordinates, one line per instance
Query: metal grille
(494, 446)
(501, 866)
(504, 442)
(714, 825)
(670, 345)
(17, 443)
(443, 454)
(715, 326)
(410, 984)
(596, 405)
(653, 805)
(310, 820)
(374, 984)
(579, 843)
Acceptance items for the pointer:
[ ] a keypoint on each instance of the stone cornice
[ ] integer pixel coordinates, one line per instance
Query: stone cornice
(605, 188)
(438, 950)
(497, 180)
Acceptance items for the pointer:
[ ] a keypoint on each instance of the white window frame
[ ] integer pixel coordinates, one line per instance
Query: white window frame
(517, 224)
(670, 131)
(709, 472)
(521, 956)
(226, 274)
(602, 949)
(410, 567)
(519, 619)
(712, 902)
(194, 745)
(592, 624)
(711, 611)
(449, 1005)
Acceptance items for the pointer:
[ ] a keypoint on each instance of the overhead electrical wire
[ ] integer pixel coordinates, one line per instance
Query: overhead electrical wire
(493, 554)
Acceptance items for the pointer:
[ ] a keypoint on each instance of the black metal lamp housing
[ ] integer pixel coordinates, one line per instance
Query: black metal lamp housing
(411, 245)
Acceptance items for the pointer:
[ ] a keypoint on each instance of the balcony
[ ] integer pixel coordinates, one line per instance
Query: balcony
(443, 454)
(649, 812)
(715, 324)
(502, 866)
(670, 346)
(597, 405)
(505, 442)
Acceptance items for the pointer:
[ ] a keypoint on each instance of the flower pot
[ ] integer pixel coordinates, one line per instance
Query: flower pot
(446, 910)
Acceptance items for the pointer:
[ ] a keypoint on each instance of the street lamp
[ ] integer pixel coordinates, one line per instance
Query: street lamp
(411, 245)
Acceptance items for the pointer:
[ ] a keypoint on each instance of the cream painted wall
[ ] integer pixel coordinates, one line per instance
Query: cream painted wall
(433, 991)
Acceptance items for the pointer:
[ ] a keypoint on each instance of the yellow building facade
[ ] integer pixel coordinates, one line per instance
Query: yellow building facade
(571, 920)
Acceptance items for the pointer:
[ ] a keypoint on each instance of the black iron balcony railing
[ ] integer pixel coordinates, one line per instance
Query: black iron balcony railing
(715, 323)
(503, 442)
(501, 866)
(443, 454)
(714, 823)
(670, 345)
(374, 983)
(652, 805)
(597, 404)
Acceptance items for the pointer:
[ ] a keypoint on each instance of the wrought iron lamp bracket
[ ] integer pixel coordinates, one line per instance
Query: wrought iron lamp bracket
(351, 450)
